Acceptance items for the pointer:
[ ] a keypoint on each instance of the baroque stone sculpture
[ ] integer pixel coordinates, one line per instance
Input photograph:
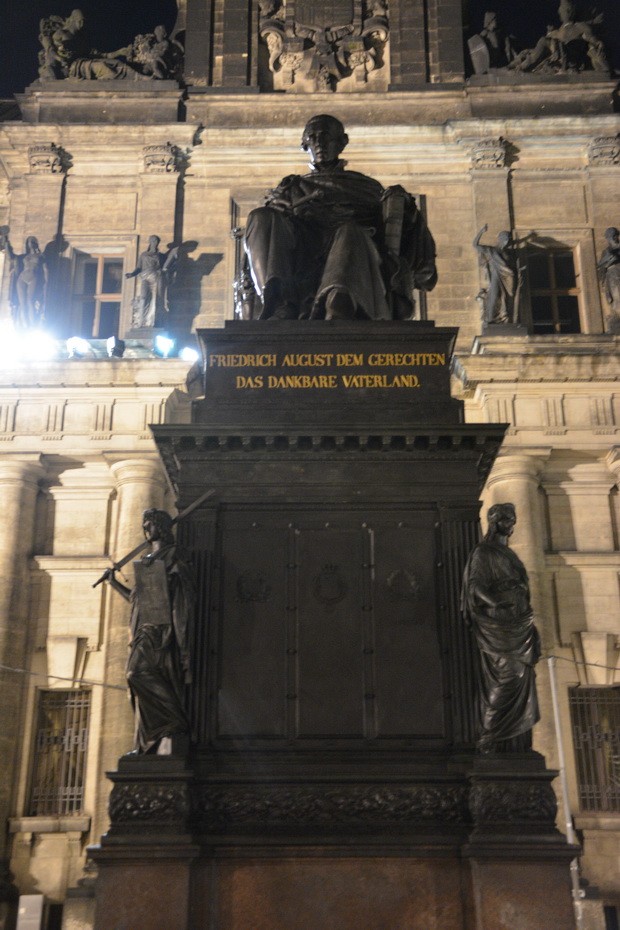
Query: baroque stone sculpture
(158, 668)
(156, 272)
(67, 53)
(496, 603)
(323, 42)
(609, 276)
(491, 48)
(504, 274)
(28, 277)
(334, 244)
(574, 46)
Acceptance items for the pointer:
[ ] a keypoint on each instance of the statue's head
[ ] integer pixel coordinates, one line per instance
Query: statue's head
(160, 33)
(75, 20)
(502, 518)
(324, 137)
(567, 11)
(612, 235)
(32, 244)
(154, 243)
(504, 239)
(157, 524)
(490, 20)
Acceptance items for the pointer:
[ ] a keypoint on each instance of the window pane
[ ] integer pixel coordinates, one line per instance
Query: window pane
(112, 276)
(538, 268)
(60, 752)
(564, 270)
(88, 319)
(88, 277)
(542, 315)
(568, 310)
(108, 319)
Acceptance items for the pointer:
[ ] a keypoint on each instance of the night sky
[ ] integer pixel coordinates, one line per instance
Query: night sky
(114, 23)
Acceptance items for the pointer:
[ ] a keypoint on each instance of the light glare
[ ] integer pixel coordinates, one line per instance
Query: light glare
(188, 354)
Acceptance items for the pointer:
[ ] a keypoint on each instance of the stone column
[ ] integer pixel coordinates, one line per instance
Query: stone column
(139, 484)
(19, 485)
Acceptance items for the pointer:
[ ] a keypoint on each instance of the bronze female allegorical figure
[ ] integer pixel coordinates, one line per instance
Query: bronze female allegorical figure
(496, 602)
(158, 668)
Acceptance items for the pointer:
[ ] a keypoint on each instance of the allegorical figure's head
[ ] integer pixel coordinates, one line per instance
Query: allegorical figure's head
(154, 243)
(612, 235)
(32, 244)
(324, 137)
(568, 11)
(157, 524)
(502, 518)
(504, 239)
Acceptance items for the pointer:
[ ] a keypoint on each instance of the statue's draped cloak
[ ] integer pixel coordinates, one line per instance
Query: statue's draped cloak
(609, 275)
(508, 641)
(158, 668)
(335, 240)
(503, 277)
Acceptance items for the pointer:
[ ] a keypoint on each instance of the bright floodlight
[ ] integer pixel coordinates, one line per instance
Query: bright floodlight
(29, 346)
(10, 345)
(38, 346)
(164, 345)
(189, 355)
(78, 347)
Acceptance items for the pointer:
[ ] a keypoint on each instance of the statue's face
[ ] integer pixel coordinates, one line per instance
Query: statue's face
(151, 530)
(323, 142)
(505, 522)
(153, 243)
(504, 239)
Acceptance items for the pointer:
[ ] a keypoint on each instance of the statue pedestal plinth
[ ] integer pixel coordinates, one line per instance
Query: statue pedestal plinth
(334, 781)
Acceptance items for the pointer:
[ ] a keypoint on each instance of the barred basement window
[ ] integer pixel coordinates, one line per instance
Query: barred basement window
(554, 295)
(595, 715)
(60, 752)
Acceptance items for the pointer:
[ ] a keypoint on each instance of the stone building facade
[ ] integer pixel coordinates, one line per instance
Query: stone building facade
(92, 168)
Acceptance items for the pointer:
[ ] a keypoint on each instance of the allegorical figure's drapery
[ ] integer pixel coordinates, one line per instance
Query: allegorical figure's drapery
(496, 601)
(158, 668)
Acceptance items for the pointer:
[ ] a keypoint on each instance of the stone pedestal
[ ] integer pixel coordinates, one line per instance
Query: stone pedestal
(334, 781)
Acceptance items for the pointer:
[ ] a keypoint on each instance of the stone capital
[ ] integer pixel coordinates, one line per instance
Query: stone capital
(519, 466)
(19, 472)
(612, 461)
(145, 470)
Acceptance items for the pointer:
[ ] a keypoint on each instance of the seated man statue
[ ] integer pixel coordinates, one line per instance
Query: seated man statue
(334, 244)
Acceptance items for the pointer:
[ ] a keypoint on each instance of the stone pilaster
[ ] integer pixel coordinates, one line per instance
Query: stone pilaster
(19, 485)
(139, 484)
(579, 506)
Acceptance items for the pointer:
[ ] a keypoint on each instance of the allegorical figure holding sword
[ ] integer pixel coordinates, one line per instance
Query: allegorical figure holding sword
(162, 616)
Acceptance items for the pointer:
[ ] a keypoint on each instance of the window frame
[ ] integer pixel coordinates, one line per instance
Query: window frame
(582, 244)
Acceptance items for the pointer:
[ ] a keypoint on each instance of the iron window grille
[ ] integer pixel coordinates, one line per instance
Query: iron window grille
(595, 716)
(60, 752)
